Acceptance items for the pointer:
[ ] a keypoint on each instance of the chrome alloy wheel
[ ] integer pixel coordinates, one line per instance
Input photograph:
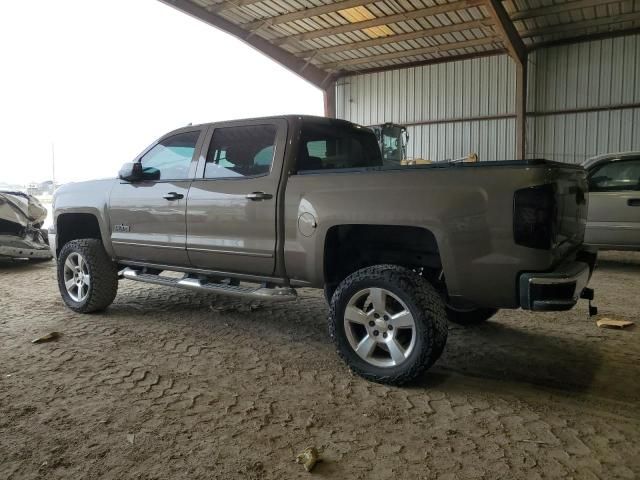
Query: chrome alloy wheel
(76, 277)
(379, 327)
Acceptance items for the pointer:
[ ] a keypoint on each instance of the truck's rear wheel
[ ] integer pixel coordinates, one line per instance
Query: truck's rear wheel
(388, 323)
(328, 292)
(87, 278)
(470, 317)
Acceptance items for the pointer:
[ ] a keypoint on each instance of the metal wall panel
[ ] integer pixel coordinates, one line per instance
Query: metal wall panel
(590, 75)
(482, 87)
(490, 139)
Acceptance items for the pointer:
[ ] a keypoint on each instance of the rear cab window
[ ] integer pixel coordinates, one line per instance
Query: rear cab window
(337, 147)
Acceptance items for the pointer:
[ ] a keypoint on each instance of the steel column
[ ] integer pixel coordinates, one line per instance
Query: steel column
(521, 110)
(330, 100)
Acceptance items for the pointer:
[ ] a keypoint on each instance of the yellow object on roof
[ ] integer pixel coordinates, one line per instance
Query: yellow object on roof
(360, 14)
(377, 32)
(356, 14)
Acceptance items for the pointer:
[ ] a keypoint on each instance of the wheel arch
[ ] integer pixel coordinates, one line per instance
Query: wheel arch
(350, 247)
(75, 225)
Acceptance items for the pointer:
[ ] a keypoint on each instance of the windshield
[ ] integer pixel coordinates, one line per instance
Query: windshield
(392, 145)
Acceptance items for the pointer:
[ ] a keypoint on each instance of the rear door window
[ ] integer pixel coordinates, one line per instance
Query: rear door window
(237, 152)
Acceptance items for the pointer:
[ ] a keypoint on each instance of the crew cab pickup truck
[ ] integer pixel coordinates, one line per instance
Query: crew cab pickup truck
(257, 208)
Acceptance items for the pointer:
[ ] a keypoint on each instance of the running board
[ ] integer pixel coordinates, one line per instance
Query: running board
(275, 294)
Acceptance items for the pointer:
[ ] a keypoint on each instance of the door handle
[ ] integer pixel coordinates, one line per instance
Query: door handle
(257, 196)
(173, 196)
(633, 202)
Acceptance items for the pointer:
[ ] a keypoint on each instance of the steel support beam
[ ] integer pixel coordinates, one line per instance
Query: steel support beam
(518, 51)
(560, 8)
(582, 25)
(330, 100)
(574, 111)
(586, 38)
(402, 37)
(507, 31)
(521, 110)
(421, 63)
(304, 69)
(410, 53)
(307, 13)
(228, 5)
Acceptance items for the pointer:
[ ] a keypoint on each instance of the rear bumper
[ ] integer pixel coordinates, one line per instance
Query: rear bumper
(559, 289)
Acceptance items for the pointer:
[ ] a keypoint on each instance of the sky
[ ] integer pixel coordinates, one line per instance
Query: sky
(100, 81)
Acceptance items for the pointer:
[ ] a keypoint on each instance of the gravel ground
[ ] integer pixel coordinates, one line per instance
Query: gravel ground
(172, 384)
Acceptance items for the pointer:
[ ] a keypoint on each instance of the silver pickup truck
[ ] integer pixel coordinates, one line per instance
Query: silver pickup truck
(257, 208)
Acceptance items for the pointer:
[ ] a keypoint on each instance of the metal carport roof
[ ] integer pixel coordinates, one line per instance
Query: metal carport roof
(319, 39)
(322, 40)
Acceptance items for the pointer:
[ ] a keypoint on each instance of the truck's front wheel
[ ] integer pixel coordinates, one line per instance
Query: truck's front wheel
(87, 278)
(388, 323)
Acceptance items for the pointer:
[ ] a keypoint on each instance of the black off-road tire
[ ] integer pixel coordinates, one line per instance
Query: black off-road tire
(471, 317)
(425, 305)
(103, 273)
(328, 292)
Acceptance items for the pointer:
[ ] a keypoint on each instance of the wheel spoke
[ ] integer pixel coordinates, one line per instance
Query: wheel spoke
(366, 346)
(355, 315)
(403, 319)
(69, 263)
(76, 277)
(378, 298)
(396, 351)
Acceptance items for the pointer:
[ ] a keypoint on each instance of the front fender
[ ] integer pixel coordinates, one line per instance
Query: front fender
(86, 198)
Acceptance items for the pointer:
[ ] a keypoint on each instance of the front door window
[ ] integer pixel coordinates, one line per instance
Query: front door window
(170, 158)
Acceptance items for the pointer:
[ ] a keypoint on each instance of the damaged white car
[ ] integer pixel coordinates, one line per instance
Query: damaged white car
(21, 232)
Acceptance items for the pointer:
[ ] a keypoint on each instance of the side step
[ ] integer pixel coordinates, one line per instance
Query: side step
(276, 294)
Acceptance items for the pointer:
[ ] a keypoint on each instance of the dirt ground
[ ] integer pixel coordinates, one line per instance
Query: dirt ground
(173, 384)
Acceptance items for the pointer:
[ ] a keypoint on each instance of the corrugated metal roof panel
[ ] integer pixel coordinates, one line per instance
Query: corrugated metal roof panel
(538, 21)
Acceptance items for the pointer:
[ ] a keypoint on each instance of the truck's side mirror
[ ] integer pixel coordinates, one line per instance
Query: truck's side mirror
(131, 172)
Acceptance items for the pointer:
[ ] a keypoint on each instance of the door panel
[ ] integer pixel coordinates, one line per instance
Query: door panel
(148, 216)
(145, 226)
(232, 214)
(614, 219)
(229, 232)
(614, 204)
